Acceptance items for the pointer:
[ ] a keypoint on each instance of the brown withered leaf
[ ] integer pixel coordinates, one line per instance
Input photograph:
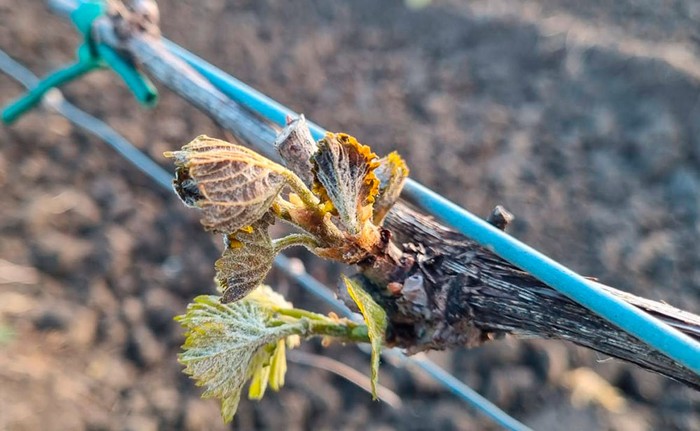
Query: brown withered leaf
(231, 184)
(344, 173)
(392, 173)
(246, 260)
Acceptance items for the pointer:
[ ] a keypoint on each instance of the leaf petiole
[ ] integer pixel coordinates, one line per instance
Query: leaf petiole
(293, 239)
(324, 326)
(296, 184)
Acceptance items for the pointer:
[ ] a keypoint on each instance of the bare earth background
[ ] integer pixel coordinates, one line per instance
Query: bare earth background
(582, 118)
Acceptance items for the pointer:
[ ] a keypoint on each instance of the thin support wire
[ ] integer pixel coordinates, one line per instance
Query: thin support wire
(126, 149)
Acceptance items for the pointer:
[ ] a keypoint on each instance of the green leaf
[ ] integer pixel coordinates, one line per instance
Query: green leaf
(231, 184)
(392, 173)
(261, 376)
(247, 259)
(375, 318)
(270, 373)
(344, 172)
(228, 344)
(278, 366)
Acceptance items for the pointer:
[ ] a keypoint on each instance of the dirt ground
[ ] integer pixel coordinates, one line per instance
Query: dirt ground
(582, 118)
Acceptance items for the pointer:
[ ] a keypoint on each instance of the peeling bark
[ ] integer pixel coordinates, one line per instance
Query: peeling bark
(472, 296)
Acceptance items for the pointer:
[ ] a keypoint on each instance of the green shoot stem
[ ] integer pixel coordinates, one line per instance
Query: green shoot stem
(300, 189)
(351, 333)
(323, 326)
(281, 208)
(298, 313)
(293, 239)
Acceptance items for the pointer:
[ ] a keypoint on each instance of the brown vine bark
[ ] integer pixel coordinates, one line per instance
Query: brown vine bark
(463, 295)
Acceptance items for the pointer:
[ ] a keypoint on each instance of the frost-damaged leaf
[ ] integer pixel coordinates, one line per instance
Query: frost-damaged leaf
(233, 185)
(344, 171)
(392, 173)
(375, 318)
(245, 262)
(227, 343)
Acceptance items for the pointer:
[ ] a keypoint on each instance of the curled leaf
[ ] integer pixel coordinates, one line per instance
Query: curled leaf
(231, 184)
(344, 173)
(392, 173)
(247, 259)
(228, 344)
(375, 318)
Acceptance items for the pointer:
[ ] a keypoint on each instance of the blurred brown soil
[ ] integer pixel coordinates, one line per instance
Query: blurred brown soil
(582, 118)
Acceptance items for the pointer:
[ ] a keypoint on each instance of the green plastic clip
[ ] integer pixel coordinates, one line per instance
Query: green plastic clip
(91, 56)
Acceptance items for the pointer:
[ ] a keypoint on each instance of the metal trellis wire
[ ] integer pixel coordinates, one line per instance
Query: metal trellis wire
(160, 176)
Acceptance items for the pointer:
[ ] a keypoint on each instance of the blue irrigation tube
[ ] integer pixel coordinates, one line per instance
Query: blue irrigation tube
(164, 179)
(643, 326)
(242, 93)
